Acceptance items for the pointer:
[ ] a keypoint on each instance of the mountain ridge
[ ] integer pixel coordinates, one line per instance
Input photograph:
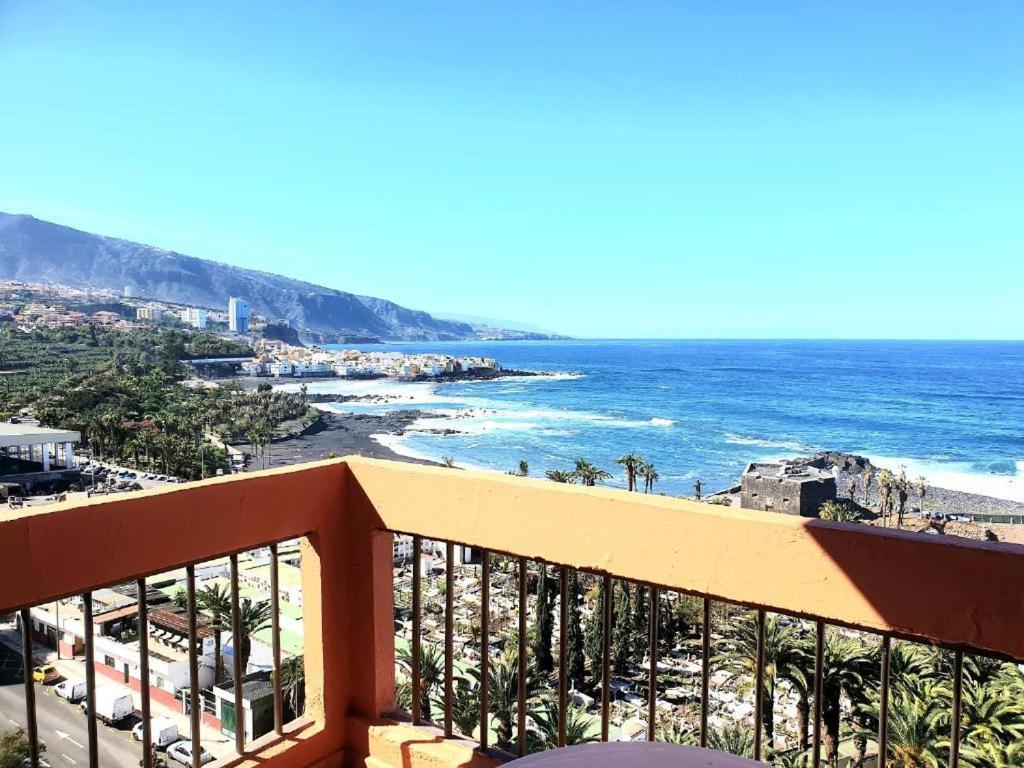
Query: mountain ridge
(34, 250)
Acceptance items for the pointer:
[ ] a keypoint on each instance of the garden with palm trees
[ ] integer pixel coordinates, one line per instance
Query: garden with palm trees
(921, 688)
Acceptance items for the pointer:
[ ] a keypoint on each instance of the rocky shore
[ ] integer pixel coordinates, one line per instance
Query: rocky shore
(337, 434)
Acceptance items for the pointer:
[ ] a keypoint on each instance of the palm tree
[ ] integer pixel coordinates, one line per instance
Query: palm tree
(902, 493)
(632, 463)
(915, 727)
(885, 486)
(503, 695)
(650, 476)
(253, 618)
(465, 705)
(215, 599)
(850, 666)
(293, 684)
(838, 512)
(732, 738)
(922, 490)
(785, 655)
(866, 477)
(588, 474)
(560, 476)
(579, 726)
(431, 672)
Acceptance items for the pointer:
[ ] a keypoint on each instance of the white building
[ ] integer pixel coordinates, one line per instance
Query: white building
(195, 317)
(52, 448)
(238, 315)
(280, 368)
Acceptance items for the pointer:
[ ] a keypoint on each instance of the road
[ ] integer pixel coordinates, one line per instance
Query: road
(62, 726)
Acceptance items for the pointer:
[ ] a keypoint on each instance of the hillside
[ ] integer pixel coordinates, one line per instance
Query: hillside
(32, 250)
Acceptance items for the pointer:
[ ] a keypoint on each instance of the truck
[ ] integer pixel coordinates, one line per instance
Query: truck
(113, 704)
(72, 689)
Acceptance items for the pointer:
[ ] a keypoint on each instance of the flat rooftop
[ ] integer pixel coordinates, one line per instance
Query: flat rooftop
(15, 435)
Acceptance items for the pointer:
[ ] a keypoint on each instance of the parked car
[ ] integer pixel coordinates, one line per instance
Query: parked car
(182, 752)
(162, 731)
(72, 689)
(46, 674)
(113, 704)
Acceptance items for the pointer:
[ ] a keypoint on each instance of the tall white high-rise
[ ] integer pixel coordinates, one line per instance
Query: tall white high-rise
(238, 315)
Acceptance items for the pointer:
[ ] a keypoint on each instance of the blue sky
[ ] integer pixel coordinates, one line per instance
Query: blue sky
(632, 169)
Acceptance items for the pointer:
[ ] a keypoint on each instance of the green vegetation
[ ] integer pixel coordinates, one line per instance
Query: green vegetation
(14, 748)
(126, 393)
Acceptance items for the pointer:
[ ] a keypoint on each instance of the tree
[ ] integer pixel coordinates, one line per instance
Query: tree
(732, 738)
(650, 476)
(15, 749)
(885, 487)
(588, 474)
(431, 672)
(503, 695)
(838, 512)
(215, 599)
(448, 461)
(915, 729)
(641, 618)
(785, 656)
(544, 622)
(622, 632)
(579, 726)
(560, 476)
(576, 670)
(850, 666)
(632, 463)
(293, 685)
(902, 494)
(465, 705)
(922, 490)
(253, 617)
(866, 477)
(593, 641)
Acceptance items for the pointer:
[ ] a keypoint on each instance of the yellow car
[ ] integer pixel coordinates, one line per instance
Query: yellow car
(45, 674)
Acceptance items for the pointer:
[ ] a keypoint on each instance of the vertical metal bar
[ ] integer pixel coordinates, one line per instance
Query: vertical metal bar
(147, 735)
(883, 706)
(90, 681)
(417, 629)
(275, 638)
(958, 690)
(759, 685)
(485, 646)
(819, 683)
(449, 636)
(30, 690)
(705, 673)
(236, 657)
(521, 694)
(563, 654)
(606, 635)
(652, 673)
(195, 708)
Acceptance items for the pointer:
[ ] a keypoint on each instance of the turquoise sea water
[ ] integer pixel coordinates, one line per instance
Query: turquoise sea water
(702, 409)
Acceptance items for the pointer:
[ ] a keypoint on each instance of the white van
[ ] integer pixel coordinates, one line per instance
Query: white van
(71, 688)
(113, 704)
(162, 731)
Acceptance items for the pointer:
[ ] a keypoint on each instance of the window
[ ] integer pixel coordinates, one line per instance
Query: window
(109, 661)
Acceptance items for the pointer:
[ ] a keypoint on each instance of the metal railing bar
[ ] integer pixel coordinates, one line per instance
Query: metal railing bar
(195, 711)
(759, 685)
(275, 636)
(449, 636)
(883, 706)
(417, 649)
(147, 732)
(705, 673)
(485, 646)
(30, 691)
(957, 714)
(521, 672)
(90, 680)
(236, 657)
(563, 655)
(652, 673)
(819, 683)
(606, 634)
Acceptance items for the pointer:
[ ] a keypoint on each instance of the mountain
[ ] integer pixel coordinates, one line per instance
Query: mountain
(32, 250)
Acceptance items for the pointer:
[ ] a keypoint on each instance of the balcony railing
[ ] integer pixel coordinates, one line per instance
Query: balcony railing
(960, 595)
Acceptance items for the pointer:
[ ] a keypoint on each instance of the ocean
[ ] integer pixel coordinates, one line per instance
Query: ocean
(952, 411)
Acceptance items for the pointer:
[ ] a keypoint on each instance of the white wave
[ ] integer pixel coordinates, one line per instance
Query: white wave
(959, 476)
(788, 445)
(539, 378)
(397, 443)
(659, 422)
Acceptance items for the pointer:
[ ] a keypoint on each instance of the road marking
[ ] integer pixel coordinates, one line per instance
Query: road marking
(69, 759)
(67, 737)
